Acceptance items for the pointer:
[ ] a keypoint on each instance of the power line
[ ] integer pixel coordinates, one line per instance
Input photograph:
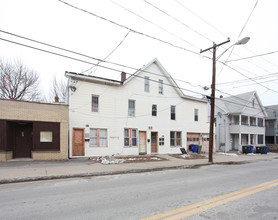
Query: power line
(177, 20)
(90, 57)
(153, 24)
(239, 35)
(130, 29)
(109, 53)
(201, 18)
(87, 62)
(248, 77)
(246, 80)
(259, 55)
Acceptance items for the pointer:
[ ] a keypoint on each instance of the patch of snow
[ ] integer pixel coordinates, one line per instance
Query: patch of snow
(110, 160)
(185, 155)
(228, 154)
(155, 158)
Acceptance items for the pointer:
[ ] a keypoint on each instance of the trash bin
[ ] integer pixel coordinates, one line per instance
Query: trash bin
(199, 149)
(183, 151)
(193, 148)
(246, 149)
(259, 150)
(266, 148)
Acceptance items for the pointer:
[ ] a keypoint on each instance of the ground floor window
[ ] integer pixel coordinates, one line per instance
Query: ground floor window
(98, 137)
(130, 137)
(260, 139)
(175, 138)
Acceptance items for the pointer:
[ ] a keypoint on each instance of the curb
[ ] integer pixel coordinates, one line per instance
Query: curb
(107, 173)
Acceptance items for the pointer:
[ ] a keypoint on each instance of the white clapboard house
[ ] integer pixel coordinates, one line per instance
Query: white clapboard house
(145, 113)
(240, 121)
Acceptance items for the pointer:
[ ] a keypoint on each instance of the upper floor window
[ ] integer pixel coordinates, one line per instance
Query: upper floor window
(252, 121)
(154, 110)
(173, 112)
(244, 120)
(147, 84)
(196, 114)
(160, 86)
(131, 108)
(94, 103)
(260, 122)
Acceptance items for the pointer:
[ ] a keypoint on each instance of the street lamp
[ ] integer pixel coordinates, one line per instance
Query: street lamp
(212, 97)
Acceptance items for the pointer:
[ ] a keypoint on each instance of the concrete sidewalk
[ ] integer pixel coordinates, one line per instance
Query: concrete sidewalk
(23, 171)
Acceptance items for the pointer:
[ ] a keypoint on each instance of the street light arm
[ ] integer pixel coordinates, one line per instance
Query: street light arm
(240, 42)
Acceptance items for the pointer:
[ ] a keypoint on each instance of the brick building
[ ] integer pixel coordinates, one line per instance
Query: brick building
(33, 130)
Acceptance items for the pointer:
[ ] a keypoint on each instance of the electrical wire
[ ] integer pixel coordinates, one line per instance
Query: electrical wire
(201, 18)
(94, 58)
(248, 77)
(107, 55)
(157, 8)
(87, 62)
(239, 35)
(259, 55)
(128, 28)
(154, 24)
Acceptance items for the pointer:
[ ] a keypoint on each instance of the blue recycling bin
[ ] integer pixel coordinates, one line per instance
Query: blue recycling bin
(251, 149)
(265, 149)
(193, 148)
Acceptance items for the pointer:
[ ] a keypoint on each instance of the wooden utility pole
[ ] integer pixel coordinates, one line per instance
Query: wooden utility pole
(212, 97)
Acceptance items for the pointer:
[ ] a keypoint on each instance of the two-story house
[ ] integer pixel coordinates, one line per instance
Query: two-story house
(271, 124)
(239, 120)
(144, 113)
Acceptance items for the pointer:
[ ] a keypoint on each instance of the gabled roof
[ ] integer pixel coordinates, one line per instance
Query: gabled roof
(239, 103)
(96, 79)
(272, 111)
(163, 70)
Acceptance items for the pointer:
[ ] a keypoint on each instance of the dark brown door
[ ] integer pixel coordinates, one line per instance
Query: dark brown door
(154, 142)
(23, 140)
(78, 142)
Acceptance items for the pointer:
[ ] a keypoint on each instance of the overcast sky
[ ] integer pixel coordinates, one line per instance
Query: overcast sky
(173, 31)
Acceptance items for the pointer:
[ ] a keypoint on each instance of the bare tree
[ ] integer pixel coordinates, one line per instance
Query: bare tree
(18, 81)
(58, 89)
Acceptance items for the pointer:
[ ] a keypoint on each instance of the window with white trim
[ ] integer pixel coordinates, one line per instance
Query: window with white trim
(147, 84)
(131, 108)
(196, 114)
(160, 86)
(94, 103)
(175, 138)
(173, 112)
(98, 137)
(154, 110)
(130, 137)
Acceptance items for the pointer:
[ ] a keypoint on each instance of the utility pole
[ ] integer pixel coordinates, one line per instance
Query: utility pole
(212, 97)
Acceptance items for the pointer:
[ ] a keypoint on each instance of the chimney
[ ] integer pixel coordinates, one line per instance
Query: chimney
(56, 98)
(221, 96)
(123, 76)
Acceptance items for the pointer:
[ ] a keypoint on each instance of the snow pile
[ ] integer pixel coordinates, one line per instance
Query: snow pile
(185, 155)
(155, 158)
(110, 160)
(228, 154)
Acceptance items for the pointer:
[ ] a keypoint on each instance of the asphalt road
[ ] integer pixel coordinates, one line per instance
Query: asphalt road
(211, 192)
